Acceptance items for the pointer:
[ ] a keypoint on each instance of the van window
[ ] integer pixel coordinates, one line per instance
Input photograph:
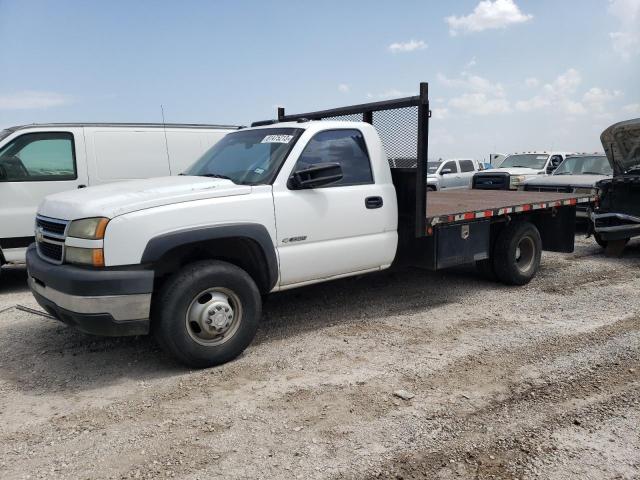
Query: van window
(38, 157)
(466, 166)
(346, 147)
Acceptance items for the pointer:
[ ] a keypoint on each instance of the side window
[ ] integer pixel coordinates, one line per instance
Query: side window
(346, 147)
(37, 157)
(451, 165)
(466, 166)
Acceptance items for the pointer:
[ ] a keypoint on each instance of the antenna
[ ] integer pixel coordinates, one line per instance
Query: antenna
(166, 143)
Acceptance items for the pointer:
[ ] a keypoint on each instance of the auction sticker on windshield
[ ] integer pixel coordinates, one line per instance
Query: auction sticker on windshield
(277, 139)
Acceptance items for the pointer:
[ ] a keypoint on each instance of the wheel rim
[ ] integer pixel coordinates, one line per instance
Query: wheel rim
(213, 316)
(525, 254)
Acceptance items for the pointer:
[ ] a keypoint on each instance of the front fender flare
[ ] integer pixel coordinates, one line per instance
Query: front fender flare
(160, 245)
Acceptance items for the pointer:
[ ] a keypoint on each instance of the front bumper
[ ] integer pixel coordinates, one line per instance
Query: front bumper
(615, 226)
(110, 302)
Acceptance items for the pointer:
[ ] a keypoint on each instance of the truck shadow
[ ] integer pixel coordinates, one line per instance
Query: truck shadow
(39, 355)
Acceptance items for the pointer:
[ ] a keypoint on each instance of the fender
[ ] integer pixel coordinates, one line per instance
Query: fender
(158, 246)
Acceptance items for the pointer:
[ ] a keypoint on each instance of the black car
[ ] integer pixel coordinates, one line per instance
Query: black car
(617, 218)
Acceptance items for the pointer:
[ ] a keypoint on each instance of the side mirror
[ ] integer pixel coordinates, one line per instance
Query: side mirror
(315, 176)
(445, 171)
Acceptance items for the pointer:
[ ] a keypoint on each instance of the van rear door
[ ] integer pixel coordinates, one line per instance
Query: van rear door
(35, 163)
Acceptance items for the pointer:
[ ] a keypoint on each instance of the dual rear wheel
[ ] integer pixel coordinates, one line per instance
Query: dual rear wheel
(515, 256)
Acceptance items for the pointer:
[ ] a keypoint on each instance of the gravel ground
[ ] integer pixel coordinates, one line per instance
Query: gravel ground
(533, 382)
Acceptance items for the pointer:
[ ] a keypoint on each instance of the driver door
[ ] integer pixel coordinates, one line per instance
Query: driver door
(32, 166)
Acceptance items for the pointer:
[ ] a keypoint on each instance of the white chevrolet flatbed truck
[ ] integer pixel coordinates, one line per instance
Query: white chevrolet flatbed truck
(280, 205)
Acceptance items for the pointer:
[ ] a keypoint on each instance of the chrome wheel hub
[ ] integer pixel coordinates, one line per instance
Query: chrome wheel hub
(213, 316)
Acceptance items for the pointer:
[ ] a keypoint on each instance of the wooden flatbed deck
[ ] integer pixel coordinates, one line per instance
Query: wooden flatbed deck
(467, 204)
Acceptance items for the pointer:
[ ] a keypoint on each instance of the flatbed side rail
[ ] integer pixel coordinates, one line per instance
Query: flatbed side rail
(403, 126)
(502, 211)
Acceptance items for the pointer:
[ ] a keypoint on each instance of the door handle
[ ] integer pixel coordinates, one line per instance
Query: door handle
(373, 202)
(82, 186)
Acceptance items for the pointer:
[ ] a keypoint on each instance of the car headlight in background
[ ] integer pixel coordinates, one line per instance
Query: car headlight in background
(88, 228)
(585, 190)
(515, 180)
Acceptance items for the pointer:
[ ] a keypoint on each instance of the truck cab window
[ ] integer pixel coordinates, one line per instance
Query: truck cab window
(38, 157)
(466, 166)
(451, 165)
(346, 147)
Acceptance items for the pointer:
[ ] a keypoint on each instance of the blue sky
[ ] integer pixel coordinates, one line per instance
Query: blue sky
(505, 75)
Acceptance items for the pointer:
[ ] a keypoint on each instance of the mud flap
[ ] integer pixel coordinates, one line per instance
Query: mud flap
(557, 229)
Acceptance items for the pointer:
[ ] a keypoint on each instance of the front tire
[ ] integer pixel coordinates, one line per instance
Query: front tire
(516, 256)
(207, 313)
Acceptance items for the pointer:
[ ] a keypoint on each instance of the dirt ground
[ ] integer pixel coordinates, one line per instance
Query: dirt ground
(540, 381)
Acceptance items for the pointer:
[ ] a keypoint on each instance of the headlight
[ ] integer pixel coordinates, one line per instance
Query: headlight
(515, 180)
(88, 228)
(84, 256)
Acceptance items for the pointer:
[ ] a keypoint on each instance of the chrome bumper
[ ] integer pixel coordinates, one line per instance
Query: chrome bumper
(120, 307)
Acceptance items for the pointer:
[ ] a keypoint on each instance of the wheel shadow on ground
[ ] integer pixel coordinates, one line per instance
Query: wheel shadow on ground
(40, 355)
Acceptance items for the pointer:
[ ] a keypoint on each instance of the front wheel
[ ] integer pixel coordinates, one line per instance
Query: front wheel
(516, 256)
(207, 313)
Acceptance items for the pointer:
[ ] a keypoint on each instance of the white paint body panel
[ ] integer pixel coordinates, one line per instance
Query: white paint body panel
(103, 154)
(337, 235)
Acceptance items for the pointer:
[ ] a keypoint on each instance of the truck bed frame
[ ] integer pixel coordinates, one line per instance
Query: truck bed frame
(442, 229)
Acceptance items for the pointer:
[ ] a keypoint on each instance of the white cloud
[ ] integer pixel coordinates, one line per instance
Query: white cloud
(479, 104)
(572, 107)
(439, 113)
(632, 109)
(534, 103)
(344, 88)
(31, 100)
(410, 46)
(532, 82)
(488, 15)
(471, 63)
(564, 84)
(626, 41)
(598, 98)
(474, 83)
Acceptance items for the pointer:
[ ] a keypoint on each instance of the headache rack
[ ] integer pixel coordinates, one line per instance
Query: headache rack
(403, 126)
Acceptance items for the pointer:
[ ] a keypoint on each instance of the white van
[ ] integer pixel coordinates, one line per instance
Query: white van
(41, 159)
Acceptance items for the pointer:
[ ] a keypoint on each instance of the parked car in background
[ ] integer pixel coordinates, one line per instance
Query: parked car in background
(517, 168)
(617, 218)
(576, 174)
(452, 173)
(38, 160)
(495, 159)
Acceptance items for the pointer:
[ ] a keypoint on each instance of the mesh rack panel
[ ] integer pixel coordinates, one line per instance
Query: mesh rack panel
(398, 130)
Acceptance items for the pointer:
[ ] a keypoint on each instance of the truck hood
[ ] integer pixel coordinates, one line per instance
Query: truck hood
(511, 171)
(586, 181)
(114, 199)
(621, 142)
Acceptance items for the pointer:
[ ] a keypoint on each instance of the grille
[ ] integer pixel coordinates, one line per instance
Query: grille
(50, 236)
(548, 188)
(57, 227)
(491, 182)
(50, 251)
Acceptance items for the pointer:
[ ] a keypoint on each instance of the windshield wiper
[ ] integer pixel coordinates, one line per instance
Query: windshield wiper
(592, 173)
(564, 173)
(216, 175)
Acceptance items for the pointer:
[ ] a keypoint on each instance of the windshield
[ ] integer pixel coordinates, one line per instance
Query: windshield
(432, 167)
(250, 157)
(527, 160)
(588, 165)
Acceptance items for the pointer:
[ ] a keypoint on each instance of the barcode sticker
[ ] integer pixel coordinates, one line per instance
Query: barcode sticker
(277, 139)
